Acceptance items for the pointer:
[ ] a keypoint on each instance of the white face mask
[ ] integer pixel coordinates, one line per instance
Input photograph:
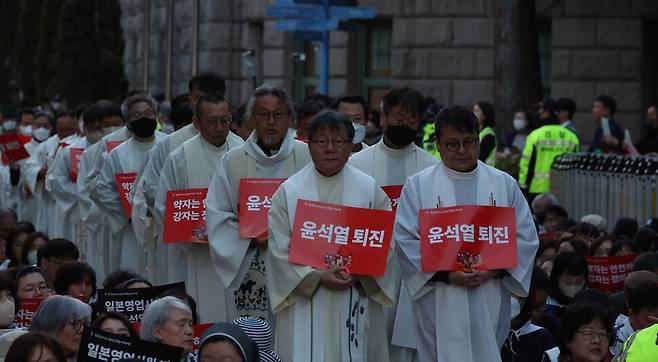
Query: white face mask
(167, 128)
(109, 130)
(26, 130)
(41, 134)
(9, 125)
(571, 290)
(518, 123)
(359, 133)
(7, 311)
(32, 257)
(94, 137)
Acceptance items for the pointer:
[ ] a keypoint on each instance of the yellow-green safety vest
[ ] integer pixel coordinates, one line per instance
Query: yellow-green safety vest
(491, 157)
(546, 143)
(429, 140)
(641, 346)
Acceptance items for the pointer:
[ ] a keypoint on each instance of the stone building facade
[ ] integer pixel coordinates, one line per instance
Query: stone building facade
(445, 48)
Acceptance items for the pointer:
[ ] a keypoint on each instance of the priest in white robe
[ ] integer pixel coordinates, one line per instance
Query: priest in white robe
(461, 316)
(28, 207)
(270, 152)
(34, 173)
(192, 166)
(129, 157)
(326, 315)
(390, 162)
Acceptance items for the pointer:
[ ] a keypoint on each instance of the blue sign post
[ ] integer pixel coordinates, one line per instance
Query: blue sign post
(314, 19)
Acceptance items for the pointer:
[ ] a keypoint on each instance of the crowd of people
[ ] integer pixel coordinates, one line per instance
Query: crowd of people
(92, 203)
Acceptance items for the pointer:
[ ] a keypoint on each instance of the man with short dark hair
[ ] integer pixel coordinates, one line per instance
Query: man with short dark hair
(355, 108)
(191, 166)
(53, 254)
(461, 316)
(609, 135)
(642, 303)
(305, 113)
(567, 109)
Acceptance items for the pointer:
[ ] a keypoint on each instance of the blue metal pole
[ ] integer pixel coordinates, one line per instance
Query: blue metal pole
(324, 56)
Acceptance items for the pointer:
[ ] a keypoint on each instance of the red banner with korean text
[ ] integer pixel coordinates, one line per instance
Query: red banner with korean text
(110, 145)
(124, 183)
(327, 235)
(199, 329)
(185, 216)
(608, 273)
(393, 192)
(11, 146)
(467, 237)
(26, 311)
(75, 154)
(255, 197)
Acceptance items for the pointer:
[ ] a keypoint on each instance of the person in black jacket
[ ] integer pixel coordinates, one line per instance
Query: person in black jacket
(649, 141)
(604, 108)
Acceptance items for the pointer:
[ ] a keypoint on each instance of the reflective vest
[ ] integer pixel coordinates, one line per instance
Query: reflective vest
(544, 145)
(429, 140)
(641, 346)
(491, 158)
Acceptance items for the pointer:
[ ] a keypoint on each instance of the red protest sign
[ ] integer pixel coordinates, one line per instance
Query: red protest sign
(75, 154)
(393, 192)
(124, 183)
(185, 216)
(199, 329)
(467, 237)
(110, 145)
(12, 148)
(327, 235)
(608, 273)
(26, 311)
(255, 201)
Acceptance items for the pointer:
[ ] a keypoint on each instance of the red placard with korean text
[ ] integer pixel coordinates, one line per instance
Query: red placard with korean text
(12, 147)
(185, 216)
(75, 154)
(124, 183)
(393, 192)
(110, 145)
(255, 201)
(608, 273)
(199, 329)
(327, 235)
(467, 237)
(26, 311)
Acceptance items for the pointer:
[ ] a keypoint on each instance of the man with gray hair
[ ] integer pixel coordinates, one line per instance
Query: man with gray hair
(168, 320)
(126, 161)
(542, 201)
(270, 152)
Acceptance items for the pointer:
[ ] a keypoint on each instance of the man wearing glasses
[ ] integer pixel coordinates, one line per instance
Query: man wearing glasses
(461, 316)
(326, 314)
(270, 152)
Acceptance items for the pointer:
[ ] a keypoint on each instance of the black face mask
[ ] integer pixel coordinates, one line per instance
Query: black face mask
(400, 135)
(144, 127)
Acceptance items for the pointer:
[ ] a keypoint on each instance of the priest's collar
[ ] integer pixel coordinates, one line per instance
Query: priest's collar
(321, 176)
(461, 175)
(268, 152)
(396, 151)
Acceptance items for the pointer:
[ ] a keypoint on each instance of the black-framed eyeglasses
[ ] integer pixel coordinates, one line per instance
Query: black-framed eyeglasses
(339, 143)
(589, 334)
(468, 144)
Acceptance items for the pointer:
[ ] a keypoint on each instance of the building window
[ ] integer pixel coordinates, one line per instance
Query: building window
(374, 49)
(544, 42)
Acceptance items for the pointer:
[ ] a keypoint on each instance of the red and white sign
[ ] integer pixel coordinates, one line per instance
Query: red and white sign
(110, 145)
(393, 192)
(26, 312)
(12, 148)
(468, 237)
(608, 273)
(199, 329)
(255, 201)
(327, 235)
(124, 183)
(75, 154)
(185, 216)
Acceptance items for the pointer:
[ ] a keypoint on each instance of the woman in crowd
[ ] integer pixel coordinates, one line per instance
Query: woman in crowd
(573, 245)
(484, 111)
(228, 342)
(15, 239)
(125, 279)
(7, 303)
(521, 125)
(567, 278)
(35, 347)
(30, 283)
(169, 321)
(585, 334)
(601, 246)
(31, 245)
(622, 247)
(115, 323)
(76, 279)
(63, 318)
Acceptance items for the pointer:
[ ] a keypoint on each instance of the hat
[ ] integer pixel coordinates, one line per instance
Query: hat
(595, 220)
(224, 331)
(261, 333)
